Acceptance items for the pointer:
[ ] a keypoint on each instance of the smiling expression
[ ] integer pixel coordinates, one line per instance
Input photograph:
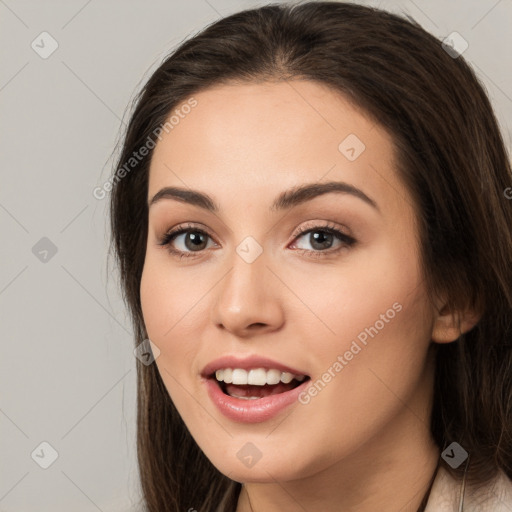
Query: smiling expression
(292, 249)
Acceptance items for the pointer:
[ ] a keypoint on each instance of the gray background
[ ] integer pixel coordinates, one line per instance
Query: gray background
(67, 370)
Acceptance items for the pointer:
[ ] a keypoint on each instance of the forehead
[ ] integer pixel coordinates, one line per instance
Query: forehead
(244, 140)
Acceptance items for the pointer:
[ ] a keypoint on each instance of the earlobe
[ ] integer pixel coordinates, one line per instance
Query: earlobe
(449, 325)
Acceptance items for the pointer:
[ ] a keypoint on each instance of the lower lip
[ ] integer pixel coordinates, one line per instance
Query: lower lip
(252, 411)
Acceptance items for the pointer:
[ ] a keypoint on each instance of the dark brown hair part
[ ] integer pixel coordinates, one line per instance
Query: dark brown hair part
(449, 153)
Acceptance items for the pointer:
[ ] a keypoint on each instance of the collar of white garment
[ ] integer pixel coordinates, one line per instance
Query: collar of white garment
(445, 495)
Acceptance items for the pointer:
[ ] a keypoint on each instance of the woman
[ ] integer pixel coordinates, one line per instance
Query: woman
(311, 222)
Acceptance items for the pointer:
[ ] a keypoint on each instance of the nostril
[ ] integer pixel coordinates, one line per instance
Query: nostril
(257, 324)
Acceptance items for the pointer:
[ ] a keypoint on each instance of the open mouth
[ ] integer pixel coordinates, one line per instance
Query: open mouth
(257, 383)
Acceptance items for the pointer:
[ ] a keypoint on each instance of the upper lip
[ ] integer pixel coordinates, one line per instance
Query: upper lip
(247, 363)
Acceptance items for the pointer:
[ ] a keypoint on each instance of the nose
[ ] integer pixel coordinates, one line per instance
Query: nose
(248, 300)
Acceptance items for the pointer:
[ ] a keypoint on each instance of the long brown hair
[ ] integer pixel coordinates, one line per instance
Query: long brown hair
(449, 153)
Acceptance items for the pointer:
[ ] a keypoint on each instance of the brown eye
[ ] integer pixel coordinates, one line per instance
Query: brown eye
(322, 239)
(195, 240)
(185, 240)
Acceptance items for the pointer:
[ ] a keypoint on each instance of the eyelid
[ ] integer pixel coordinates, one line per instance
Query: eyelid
(180, 229)
(322, 225)
(186, 225)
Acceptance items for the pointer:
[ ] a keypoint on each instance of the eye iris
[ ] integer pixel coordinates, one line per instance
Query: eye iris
(319, 237)
(196, 239)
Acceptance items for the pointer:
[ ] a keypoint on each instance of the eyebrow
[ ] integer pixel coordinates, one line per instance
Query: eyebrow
(286, 200)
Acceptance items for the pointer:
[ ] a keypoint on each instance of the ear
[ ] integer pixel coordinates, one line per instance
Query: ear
(449, 325)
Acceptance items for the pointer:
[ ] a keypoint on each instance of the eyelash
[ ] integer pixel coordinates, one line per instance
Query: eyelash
(347, 241)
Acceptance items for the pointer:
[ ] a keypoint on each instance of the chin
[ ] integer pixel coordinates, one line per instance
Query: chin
(236, 463)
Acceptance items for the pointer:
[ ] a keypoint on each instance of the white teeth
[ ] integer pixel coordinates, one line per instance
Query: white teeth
(256, 376)
(228, 376)
(273, 377)
(240, 377)
(286, 377)
(245, 397)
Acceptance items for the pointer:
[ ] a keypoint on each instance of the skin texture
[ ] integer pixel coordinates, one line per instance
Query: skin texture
(363, 443)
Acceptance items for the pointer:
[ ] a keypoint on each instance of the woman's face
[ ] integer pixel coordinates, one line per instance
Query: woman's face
(325, 283)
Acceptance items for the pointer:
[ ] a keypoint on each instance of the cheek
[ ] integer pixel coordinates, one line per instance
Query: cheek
(351, 296)
(379, 323)
(173, 314)
(383, 326)
(373, 365)
(170, 303)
